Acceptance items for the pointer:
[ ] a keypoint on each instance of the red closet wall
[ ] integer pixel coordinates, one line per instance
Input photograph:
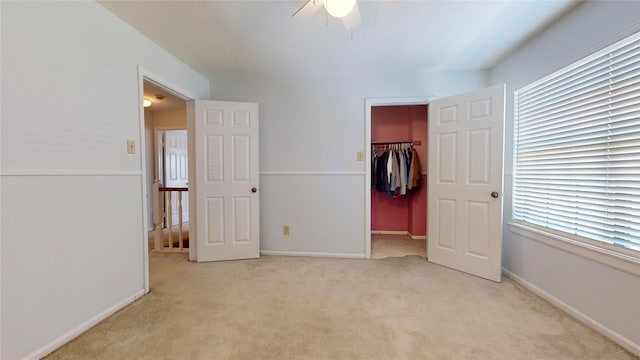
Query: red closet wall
(401, 123)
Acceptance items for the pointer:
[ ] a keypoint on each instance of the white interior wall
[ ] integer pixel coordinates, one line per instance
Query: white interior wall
(599, 294)
(310, 131)
(170, 119)
(72, 203)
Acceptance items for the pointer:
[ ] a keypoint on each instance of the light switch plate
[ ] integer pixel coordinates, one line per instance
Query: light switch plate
(360, 156)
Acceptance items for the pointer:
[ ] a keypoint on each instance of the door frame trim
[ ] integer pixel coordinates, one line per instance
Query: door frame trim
(369, 103)
(143, 75)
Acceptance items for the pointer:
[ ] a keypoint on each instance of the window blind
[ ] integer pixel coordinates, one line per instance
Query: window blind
(577, 148)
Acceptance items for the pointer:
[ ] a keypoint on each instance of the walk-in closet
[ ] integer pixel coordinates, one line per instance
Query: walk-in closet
(398, 181)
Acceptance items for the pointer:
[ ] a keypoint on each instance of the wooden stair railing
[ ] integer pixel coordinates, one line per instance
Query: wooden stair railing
(160, 192)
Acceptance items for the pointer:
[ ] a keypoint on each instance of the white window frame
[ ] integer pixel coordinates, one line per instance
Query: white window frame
(564, 240)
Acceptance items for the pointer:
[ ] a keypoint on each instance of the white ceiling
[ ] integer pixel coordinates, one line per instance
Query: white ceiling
(261, 37)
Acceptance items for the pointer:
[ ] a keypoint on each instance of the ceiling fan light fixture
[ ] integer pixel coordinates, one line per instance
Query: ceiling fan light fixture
(146, 102)
(339, 8)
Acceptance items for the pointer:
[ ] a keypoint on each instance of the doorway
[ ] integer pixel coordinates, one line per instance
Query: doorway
(398, 188)
(162, 106)
(395, 222)
(465, 179)
(165, 118)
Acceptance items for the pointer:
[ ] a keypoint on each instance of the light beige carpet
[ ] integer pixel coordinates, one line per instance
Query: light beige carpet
(323, 308)
(383, 246)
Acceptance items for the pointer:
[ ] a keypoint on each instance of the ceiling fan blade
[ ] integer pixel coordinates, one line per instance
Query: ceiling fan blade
(352, 19)
(309, 7)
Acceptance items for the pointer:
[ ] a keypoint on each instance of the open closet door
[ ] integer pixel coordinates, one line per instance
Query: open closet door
(224, 180)
(465, 182)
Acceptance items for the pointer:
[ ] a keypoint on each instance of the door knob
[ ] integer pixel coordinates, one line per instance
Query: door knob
(254, 190)
(494, 194)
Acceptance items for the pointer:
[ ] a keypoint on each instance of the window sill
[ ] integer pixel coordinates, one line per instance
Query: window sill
(623, 260)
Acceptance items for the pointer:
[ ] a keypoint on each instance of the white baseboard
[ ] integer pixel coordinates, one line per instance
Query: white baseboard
(617, 338)
(389, 232)
(394, 232)
(65, 338)
(312, 254)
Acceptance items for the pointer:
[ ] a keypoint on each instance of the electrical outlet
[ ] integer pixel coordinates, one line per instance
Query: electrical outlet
(360, 155)
(131, 146)
(286, 230)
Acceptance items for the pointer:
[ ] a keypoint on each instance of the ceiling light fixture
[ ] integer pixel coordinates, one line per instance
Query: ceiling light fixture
(339, 8)
(146, 102)
(346, 10)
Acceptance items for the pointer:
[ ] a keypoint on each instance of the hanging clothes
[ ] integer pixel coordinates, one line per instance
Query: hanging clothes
(394, 169)
(395, 176)
(374, 166)
(403, 173)
(381, 172)
(390, 175)
(414, 176)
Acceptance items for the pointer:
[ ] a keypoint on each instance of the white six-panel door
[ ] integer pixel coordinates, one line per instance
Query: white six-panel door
(225, 182)
(465, 182)
(175, 169)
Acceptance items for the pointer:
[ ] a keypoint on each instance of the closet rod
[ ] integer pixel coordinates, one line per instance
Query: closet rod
(390, 143)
